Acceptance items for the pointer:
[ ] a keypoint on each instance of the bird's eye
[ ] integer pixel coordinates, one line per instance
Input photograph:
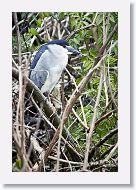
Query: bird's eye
(64, 46)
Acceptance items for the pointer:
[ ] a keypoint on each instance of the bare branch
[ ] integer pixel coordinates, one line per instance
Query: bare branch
(102, 140)
(18, 37)
(91, 130)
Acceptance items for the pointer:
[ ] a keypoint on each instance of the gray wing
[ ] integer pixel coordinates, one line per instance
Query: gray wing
(38, 73)
(39, 77)
(41, 50)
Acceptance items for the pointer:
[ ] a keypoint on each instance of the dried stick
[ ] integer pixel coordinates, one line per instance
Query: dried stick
(59, 34)
(102, 140)
(110, 89)
(18, 37)
(83, 113)
(66, 25)
(106, 152)
(47, 33)
(54, 29)
(79, 119)
(111, 153)
(104, 116)
(56, 18)
(105, 31)
(89, 135)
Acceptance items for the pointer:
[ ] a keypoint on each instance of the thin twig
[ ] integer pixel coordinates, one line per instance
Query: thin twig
(104, 116)
(59, 34)
(18, 37)
(102, 141)
(47, 33)
(54, 29)
(111, 153)
(14, 63)
(110, 89)
(79, 119)
(56, 18)
(89, 135)
(105, 31)
(66, 25)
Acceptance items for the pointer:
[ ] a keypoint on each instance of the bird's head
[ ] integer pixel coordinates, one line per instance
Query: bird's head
(63, 43)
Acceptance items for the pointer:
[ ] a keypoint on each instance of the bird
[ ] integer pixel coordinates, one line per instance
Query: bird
(49, 63)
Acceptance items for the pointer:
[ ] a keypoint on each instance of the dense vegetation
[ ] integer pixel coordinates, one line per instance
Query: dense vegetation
(82, 107)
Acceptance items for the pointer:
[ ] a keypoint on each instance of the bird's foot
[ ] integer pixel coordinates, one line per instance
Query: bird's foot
(47, 95)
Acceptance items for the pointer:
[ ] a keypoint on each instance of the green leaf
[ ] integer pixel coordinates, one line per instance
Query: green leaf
(88, 19)
(47, 14)
(33, 31)
(99, 19)
(39, 22)
(19, 164)
(41, 15)
(92, 53)
(112, 18)
(76, 41)
(84, 51)
(61, 15)
(72, 23)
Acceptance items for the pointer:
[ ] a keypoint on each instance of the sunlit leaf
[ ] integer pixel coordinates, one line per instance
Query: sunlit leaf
(33, 31)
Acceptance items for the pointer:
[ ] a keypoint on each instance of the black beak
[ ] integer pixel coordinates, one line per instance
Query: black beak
(72, 51)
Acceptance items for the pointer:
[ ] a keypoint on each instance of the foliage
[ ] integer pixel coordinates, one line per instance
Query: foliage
(90, 31)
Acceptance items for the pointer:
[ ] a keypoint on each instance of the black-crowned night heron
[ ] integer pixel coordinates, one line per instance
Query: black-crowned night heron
(49, 63)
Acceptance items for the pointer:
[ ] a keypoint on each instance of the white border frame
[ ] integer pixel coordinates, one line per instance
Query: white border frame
(120, 177)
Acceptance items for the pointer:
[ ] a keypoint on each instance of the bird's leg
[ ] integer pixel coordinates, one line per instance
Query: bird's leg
(51, 99)
(47, 95)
